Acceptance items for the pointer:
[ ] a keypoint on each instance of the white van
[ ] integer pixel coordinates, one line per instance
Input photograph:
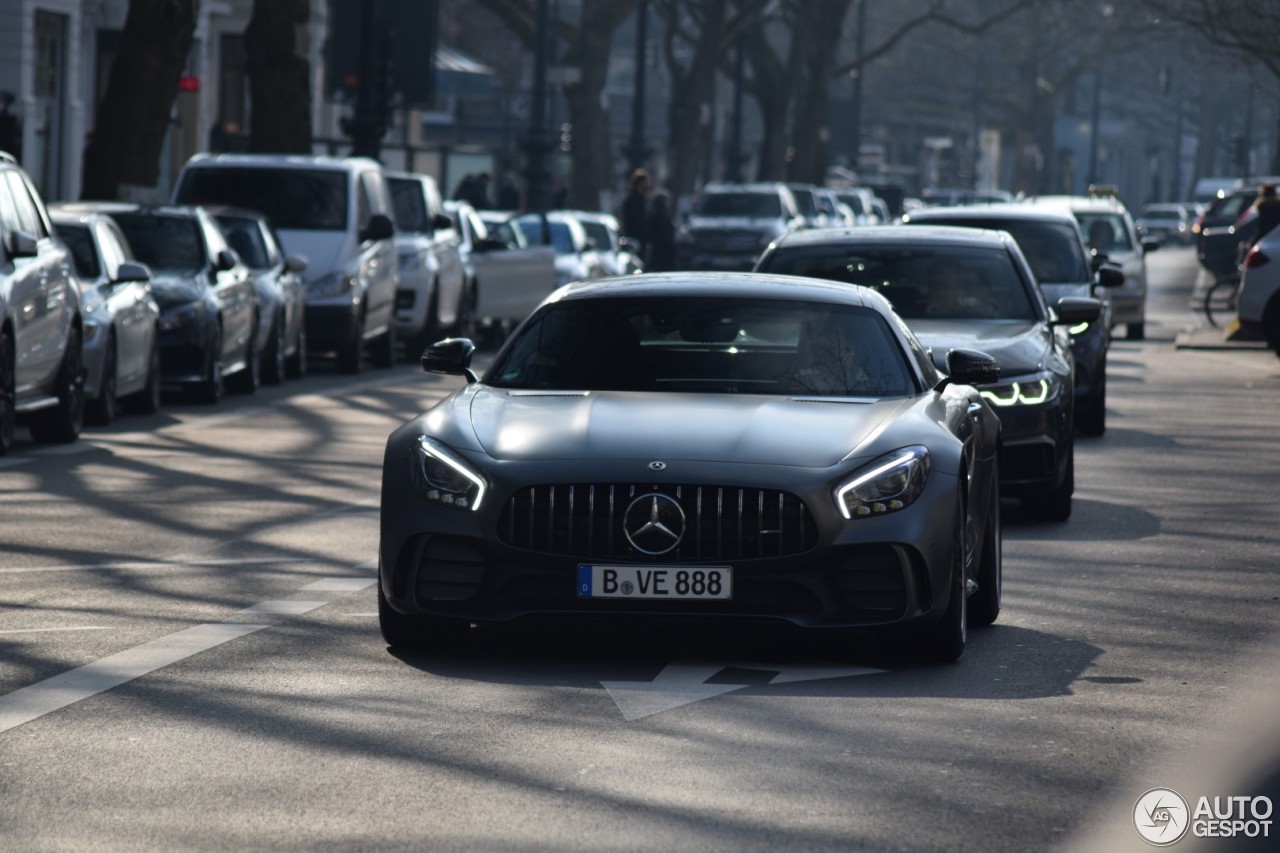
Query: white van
(334, 211)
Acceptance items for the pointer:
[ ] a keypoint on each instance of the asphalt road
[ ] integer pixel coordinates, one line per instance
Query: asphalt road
(190, 659)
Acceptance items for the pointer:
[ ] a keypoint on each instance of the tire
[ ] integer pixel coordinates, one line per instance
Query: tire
(273, 361)
(1221, 297)
(984, 605)
(351, 352)
(295, 366)
(382, 352)
(103, 410)
(945, 640)
(401, 631)
(61, 424)
(1056, 505)
(210, 389)
(248, 379)
(147, 401)
(1271, 324)
(1092, 420)
(1135, 331)
(8, 393)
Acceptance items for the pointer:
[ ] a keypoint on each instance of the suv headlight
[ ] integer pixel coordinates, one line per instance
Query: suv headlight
(886, 485)
(179, 318)
(1031, 391)
(333, 284)
(441, 476)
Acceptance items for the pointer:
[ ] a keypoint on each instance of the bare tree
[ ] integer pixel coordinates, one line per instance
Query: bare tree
(279, 77)
(123, 155)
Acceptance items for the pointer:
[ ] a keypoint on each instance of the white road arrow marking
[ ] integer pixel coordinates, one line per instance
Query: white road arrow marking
(685, 683)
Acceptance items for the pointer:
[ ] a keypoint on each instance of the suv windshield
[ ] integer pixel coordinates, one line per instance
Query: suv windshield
(164, 243)
(761, 205)
(80, 242)
(703, 345)
(410, 205)
(1051, 248)
(293, 199)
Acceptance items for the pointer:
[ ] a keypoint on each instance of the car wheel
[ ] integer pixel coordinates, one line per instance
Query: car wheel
(1135, 331)
(147, 401)
(103, 410)
(273, 366)
(351, 352)
(383, 350)
(296, 364)
(7, 393)
(1092, 420)
(402, 631)
(210, 389)
(1271, 324)
(249, 378)
(61, 423)
(984, 606)
(945, 640)
(1056, 505)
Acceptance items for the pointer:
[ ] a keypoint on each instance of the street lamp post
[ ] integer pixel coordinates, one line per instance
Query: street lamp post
(636, 150)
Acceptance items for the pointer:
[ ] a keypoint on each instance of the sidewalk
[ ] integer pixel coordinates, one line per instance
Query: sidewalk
(1198, 334)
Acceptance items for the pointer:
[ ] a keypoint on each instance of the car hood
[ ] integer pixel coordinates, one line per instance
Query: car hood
(172, 290)
(324, 250)
(576, 426)
(1018, 347)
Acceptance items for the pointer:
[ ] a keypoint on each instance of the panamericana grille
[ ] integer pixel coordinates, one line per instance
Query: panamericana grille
(585, 521)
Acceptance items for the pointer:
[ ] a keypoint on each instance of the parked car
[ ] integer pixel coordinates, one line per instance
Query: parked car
(861, 202)
(1112, 237)
(281, 340)
(1054, 247)
(966, 288)
(120, 315)
(41, 327)
(434, 294)
(606, 238)
(1225, 227)
(698, 446)
(809, 205)
(337, 213)
(1258, 302)
(576, 258)
(208, 302)
(1165, 223)
(732, 224)
(508, 276)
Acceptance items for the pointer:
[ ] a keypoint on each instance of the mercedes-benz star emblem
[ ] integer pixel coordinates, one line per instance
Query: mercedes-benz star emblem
(653, 523)
(657, 465)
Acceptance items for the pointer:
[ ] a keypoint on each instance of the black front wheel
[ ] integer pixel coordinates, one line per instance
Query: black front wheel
(103, 410)
(8, 394)
(61, 424)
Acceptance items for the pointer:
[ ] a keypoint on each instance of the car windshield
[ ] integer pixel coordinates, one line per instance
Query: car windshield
(706, 345)
(922, 282)
(165, 243)
(1051, 248)
(1161, 216)
(1105, 232)
(760, 205)
(293, 199)
(410, 205)
(80, 242)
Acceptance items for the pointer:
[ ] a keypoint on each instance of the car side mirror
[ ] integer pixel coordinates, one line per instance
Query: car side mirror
(969, 367)
(450, 357)
(379, 227)
(490, 244)
(1110, 276)
(442, 222)
(132, 271)
(295, 263)
(1072, 310)
(20, 244)
(227, 259)
(1150, 245)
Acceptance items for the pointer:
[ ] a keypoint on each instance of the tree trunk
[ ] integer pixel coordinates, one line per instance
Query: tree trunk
(692, 91)
(279, 77)
(821, 22)
(123, 154)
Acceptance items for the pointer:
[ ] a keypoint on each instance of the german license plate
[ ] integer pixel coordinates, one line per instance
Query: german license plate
(713, 583)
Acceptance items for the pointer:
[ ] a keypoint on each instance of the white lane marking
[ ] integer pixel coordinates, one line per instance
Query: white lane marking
(339, 585)
(27, 703)
(685, 683)
(282, 607)
(44, 630)
(157, 564)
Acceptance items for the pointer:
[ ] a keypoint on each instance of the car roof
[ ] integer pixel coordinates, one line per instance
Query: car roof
(1008, 211)
(721, 284)
(117, 207)
(753, 187)
(1081, 204)
(286, 161)
(949, 235)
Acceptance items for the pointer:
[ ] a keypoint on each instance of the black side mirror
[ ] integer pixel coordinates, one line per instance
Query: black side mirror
(1072, 310)
(132, 271)
(969, 367)
(442, 222)
(1150, 245)
(451, 357)
(20, 244)
(379, 227)
(227, 259)
(1110, 276)
(295, 263)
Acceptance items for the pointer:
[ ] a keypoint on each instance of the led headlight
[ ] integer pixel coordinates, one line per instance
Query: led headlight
(1079, 329)
(886, 485)
(179, 318)
(441, 476)
(1031, 391)
(334, 284)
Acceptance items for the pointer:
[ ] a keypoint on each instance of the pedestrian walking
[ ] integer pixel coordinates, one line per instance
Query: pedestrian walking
(1267, 206)
(661, 231)
(634, 217)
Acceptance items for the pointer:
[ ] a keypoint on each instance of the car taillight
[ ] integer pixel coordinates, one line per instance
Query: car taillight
(1255, 258)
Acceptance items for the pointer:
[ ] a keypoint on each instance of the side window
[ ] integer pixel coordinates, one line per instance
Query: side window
(8, 213)
(109, 242)
(366, 201)
(29, 219)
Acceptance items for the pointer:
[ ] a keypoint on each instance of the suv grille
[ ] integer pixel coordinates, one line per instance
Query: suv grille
(585, 521)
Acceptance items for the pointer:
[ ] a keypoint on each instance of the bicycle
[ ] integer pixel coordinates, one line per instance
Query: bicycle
(1220, 297)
